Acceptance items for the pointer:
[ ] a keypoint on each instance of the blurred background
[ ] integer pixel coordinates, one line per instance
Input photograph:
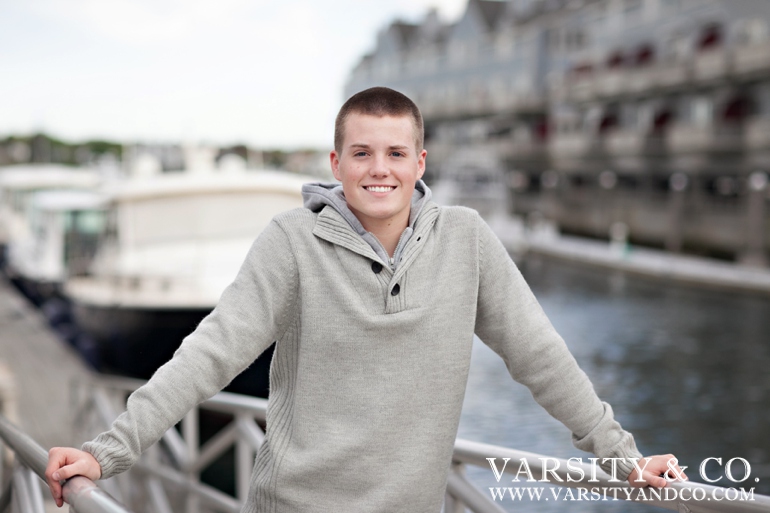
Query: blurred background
(629, 134)
(649, 113)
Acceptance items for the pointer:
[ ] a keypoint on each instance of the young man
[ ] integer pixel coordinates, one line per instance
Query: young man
(373, 294)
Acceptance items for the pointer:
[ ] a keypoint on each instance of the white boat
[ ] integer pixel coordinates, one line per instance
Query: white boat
(64, 229)
(19, 183)
(173, 242)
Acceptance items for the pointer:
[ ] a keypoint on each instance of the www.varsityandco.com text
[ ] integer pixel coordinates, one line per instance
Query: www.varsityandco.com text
(589, 483)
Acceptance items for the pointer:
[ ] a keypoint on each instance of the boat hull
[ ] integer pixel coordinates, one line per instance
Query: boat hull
(135, 342)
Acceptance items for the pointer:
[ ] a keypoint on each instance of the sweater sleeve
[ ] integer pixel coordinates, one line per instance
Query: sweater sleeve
(512, 323)
(252, 312)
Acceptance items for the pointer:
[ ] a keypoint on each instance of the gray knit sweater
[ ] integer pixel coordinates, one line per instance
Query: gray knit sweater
(371, 364)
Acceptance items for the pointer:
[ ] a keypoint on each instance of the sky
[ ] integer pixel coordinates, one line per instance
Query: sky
(261, 72)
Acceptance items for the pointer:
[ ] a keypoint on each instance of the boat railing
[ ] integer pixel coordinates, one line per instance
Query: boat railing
(22, 492)
(168, 477)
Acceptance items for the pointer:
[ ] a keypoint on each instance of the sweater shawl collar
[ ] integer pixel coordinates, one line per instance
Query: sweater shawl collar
(337, 224)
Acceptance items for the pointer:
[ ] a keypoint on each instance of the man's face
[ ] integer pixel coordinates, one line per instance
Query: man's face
(378, 166)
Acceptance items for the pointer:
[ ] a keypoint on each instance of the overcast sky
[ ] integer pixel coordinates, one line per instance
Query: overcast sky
(263, 72)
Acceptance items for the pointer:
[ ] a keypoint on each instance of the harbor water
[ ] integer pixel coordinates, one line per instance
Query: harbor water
(685, 369)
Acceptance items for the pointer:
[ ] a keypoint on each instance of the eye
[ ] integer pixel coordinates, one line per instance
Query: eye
(359, 154)
(396, 154)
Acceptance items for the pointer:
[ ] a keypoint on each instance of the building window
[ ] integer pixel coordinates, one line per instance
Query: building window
(670, 6)
(644, 55)
(701, 110)
(615, 60)
(632, 10)
(555, 39)
(710, 37)
(677, 48)
(575, 39)
(504, 46)
(751, 32)
(761, 95)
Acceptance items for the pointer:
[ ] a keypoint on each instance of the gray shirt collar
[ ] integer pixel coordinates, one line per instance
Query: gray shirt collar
(318, 195)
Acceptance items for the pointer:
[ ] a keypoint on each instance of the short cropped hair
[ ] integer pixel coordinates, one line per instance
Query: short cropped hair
(379, 101)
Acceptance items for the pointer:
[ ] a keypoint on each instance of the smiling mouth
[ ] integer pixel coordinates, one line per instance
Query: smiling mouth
(380, 188)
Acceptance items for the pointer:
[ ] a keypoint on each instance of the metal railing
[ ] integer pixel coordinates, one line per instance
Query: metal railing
(22, 493)
(168, 477)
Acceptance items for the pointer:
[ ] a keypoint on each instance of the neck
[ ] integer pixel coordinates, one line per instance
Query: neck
(388, 235)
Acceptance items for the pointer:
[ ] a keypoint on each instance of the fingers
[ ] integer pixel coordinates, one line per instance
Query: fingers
(56, 458)
(674, 472)
(64, 463)
(78, 468)
(655, 480)
(658, 471)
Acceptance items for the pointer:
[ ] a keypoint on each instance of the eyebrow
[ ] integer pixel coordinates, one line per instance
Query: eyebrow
(366, 146)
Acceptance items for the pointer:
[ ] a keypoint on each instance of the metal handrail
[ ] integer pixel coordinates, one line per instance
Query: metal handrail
(246, 436)
(79, 492)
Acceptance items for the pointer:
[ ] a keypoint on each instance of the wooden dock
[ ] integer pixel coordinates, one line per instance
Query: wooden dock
(36, 370)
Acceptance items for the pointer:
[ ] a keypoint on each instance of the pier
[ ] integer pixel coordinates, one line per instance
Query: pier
(545, 240)
(652, 263)
(36, 370)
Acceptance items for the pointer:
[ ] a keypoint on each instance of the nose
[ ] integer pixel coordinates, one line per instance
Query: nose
(379, 166)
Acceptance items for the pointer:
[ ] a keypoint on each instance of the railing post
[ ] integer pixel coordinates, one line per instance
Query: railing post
(26, 496)
(452, 504)
(8, 408)
(471, 496)
(244, 461)
(191, 433)
(5, 497)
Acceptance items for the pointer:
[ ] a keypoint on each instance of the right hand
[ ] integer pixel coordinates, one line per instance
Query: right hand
(66, 462)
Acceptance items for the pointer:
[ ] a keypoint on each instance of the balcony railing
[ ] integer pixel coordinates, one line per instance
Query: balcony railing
(752, 59)
(757, 133)
(483, 103)
(612, 82)
(670, 75)
(167, 477)
(631, 142)
(712, 65)
(690, 138)
(575, 145)
(623, 82)
(23, 493)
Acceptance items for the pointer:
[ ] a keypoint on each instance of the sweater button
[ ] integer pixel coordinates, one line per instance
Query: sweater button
(396, 290)
(376, 267)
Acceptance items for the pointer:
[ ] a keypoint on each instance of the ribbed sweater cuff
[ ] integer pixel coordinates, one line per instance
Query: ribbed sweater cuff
(625, 450)
(112, 456)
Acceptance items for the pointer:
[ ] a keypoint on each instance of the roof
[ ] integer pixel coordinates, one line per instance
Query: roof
(36, 176)
(68, 200)
(404, 31)
(196, 184)
(491, 11)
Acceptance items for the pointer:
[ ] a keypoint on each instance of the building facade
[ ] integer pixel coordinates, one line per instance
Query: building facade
(650, 113)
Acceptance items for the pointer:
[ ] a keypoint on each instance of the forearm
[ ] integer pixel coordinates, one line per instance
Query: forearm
(512, 323)
(252, 313)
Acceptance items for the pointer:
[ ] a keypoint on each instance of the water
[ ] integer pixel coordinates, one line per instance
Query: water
(686, 370)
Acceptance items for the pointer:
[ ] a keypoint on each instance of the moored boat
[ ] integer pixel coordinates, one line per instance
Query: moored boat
(18, 183)
(172, 243)
(64, 227)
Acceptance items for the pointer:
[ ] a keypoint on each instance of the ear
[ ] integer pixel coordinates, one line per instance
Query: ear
(335, 163)
(421, 163)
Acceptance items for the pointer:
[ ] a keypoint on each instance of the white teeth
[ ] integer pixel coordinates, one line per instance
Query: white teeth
(380, 188)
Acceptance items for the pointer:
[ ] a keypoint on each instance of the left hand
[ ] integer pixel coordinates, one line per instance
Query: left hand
(654, 468)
